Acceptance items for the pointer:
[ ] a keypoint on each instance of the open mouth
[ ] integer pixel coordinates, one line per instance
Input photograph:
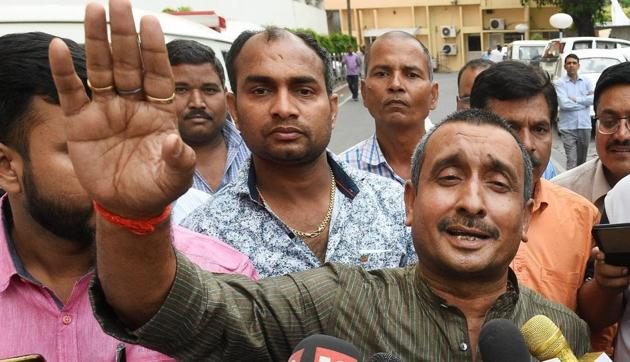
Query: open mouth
(467, 234)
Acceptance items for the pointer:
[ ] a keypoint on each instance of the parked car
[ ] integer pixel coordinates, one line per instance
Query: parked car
(526, 51)
(592, 63)
(557, 48)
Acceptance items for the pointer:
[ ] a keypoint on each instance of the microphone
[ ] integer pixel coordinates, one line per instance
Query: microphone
(500, 340)
(384, 357)
(545, 340)
(323, 348)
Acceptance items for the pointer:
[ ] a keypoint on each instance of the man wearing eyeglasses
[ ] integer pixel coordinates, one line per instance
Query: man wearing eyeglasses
(596, 177)
(575, 97)
(593, 180)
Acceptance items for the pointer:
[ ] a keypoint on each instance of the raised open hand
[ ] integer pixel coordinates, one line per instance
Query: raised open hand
(123, 143)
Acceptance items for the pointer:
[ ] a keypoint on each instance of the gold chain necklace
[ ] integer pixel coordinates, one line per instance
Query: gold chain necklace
(322, 225)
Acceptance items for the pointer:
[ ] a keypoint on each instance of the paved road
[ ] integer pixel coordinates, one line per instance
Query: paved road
(355, 124)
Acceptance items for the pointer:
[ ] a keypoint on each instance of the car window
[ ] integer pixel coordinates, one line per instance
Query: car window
(530, 52)
(605, 44)
(596, 65)
(553, 49)
(583, 44)
(623, 45)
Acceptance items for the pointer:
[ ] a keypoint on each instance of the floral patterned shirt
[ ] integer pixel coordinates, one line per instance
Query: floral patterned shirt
(367, 227)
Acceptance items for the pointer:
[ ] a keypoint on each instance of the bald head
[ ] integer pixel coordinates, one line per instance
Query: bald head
(400, 35)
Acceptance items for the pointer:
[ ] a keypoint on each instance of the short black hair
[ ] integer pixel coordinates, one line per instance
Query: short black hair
(476, 117)
(405, 35)
(25, 73)
(274, 33)
(182, 51)
(617, 74)
(512, 80)
(571, 56)
(478, 63)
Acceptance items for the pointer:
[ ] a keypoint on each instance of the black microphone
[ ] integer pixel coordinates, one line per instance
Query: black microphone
(500, 340)
(320, 347)
(384, 357)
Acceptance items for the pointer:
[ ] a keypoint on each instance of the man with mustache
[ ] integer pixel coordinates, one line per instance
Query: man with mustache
(202, 112)
(553, 261)
(295, 206)
(47, 220)
(471, 170)
(399, 92)
(595, 178)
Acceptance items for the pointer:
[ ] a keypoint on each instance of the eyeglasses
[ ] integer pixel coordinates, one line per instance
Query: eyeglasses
(465, 99)
(610, 125)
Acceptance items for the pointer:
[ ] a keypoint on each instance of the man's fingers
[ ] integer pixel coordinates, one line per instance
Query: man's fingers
(69, 87)
(610, 271)
(180, 163)
(158, 78)
(125, 49)
(98, 56)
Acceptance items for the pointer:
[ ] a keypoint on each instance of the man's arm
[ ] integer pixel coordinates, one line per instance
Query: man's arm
(126, 152)
(586, 100)
(564, 101)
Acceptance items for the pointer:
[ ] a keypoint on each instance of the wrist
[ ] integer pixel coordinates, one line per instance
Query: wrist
(139, 226)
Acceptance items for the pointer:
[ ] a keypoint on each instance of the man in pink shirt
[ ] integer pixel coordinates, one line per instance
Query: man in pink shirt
(47, 221)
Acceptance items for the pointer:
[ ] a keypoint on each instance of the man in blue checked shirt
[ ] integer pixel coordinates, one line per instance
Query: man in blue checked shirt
(202, 111)
(575, 96)
(399, 91)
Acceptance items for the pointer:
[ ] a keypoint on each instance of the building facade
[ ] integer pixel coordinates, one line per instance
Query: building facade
(455, 31)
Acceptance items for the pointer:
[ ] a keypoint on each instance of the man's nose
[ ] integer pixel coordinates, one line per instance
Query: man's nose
(471, 201)
(196, 99)
(283, 106)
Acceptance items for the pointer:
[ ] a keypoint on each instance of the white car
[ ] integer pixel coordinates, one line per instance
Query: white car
(558, 48)
(592, 63)
(526, 51)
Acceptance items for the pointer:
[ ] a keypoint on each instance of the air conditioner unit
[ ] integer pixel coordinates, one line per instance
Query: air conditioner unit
(449, 49)
(448, 31)
(497, 24)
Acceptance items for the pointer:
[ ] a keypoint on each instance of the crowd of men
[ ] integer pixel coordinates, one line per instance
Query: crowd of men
(408, 242)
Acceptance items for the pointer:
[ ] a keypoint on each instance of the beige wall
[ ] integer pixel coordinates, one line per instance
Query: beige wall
(395, 17)
(468, 17)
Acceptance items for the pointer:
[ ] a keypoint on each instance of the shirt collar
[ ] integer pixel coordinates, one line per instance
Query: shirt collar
(231, 135)
(343, 178)
(541, 195)
(371, 152)
(568, 79)
(600, 183)
(503, 307)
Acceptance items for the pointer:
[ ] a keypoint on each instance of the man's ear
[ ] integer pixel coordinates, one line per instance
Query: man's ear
(230, 99)
(527, 217)
(334, 108)
(435, 95)
(11, 169)
(410, 198)
(364, 88)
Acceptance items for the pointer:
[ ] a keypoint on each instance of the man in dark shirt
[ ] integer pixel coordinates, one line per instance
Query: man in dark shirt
(469, 204)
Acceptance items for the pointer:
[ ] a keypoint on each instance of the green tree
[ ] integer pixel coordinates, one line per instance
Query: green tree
(585, 13)
(180, 8)
(335, 43)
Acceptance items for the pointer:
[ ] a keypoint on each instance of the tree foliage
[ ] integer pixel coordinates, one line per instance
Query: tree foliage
(335, 43)
(180, 8)
(585, 13)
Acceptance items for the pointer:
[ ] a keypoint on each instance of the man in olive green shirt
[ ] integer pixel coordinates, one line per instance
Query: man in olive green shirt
(468, 204)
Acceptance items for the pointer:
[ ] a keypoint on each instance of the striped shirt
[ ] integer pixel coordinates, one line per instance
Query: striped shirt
(237, 154)
(213, 317)
(367, 156)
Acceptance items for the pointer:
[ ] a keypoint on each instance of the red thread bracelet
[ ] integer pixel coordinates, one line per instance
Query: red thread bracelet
(138, 227)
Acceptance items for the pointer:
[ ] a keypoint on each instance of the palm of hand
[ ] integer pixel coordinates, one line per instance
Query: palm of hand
(116, 147)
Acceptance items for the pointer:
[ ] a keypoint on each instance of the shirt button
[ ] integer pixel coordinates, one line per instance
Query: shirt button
(66, 319)
(463, 347)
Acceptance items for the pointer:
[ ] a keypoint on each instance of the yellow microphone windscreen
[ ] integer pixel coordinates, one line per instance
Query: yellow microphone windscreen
(545, 340)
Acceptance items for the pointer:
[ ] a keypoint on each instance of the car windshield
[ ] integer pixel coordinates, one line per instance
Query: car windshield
(596, 65)
(530, 52)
